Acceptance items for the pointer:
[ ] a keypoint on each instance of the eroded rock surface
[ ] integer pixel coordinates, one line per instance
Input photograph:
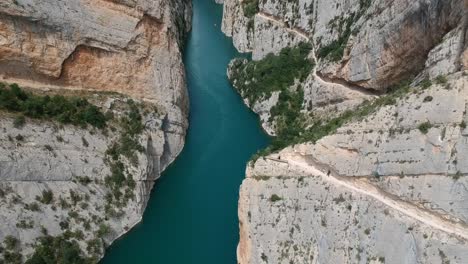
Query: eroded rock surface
(116, 53)
(386, 186)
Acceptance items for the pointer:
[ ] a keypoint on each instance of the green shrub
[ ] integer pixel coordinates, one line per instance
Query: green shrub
(74, 110)
(335, 49)
(457, 175)
(297, 133)
(424, 127)
(463, 124)
(32, 206)
(256, 79)
(275, 198)
(12, 257)
(441, 79)
(46, 198)
(426, 83)
(250, 8)
(11, 242)
(428, 99)
(104, 230)
(277, 73)
(57, 250)
(85, 180)
(23, 224)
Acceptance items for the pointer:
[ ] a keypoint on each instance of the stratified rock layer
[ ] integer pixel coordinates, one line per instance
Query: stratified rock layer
(89, 48)
(389, 187)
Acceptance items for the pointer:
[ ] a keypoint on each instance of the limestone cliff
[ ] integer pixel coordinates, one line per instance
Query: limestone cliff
(79, 184)
(376, 128)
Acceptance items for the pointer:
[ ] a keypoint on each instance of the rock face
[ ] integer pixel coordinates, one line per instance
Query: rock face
(131, 47)
(378, 190)
(97, 49)
(387, 185)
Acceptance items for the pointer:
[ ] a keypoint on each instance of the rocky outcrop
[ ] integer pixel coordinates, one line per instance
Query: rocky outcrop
(374, 175)
(115, 53)
(378, 190)
(72, 164)
(377, 44)
(361, 49)
(130, 47)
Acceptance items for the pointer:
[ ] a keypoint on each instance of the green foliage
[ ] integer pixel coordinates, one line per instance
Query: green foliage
(428, 99)
(275, 198)
(335, 49)
(297, 133)
(457, 175)
(12, 257)
(127, 146)
(23, 224)
(441, 79)
(57, 250)
(85, 180)
(32, 207)
(46, 198)
(103, 230)
(11, 242)
(94, 246)
(259, 79)
(426, 83)
(76, 111)
(424, 127)
(325, 127)
(463, 124)
(256, 79)
(250, 8)
(289, 121)
(117, 178)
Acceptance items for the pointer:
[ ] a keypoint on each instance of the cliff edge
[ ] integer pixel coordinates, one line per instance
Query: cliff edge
(93, 108)
(366, 103)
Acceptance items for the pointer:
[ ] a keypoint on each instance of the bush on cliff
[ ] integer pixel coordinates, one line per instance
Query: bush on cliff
(250, 8)
(257, 79)
(74, 110)
(57, 250)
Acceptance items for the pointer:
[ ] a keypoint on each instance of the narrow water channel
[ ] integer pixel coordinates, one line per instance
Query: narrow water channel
(192, 214)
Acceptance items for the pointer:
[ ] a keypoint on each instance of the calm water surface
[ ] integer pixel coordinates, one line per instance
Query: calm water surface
(192, 214)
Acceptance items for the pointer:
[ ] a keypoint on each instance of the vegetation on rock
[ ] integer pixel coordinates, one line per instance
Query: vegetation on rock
(257, 80)
(250, 8)
(74, 110)
(58, 250)
(335, 49)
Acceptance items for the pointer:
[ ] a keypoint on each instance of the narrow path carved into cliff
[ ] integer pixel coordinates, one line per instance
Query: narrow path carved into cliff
(281, 23)
(325, 81)
(364, 187)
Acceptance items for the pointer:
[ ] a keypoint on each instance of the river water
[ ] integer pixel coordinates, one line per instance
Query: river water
(192, 214)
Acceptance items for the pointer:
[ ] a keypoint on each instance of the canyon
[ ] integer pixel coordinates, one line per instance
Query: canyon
(364, 101)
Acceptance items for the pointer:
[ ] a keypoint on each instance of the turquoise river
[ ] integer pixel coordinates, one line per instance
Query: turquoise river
(192, 214)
